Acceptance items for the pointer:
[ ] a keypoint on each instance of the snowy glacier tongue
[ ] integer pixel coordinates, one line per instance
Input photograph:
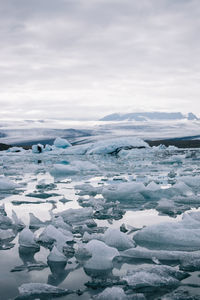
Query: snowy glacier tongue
(112, 219)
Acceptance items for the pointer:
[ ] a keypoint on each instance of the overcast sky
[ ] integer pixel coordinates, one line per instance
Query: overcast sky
(86, 58)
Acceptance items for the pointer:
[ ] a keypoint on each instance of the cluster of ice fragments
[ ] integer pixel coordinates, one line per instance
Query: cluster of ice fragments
(113, 145)
(92, 238)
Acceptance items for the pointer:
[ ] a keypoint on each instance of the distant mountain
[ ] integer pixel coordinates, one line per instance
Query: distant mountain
(144, 116)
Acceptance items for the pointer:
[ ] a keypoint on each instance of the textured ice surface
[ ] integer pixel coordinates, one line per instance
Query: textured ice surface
(111, 145)
(6, 234)
(180, 295)
(102, 256)
(27, 239)
(117, 239)
(161, 255)
(35, 222)
(126, 191)
(51, 234)
(7, 184)
(58, 222)
(76, 215)
(5, 222)
(56, 256)
(61, 143)
(38, 289)
(37, 148)
(154, 276)
(60, 170)
(114, 293)
(17, 222)
(182, 235)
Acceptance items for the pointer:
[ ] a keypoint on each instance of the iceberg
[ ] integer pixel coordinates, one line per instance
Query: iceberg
(56, 256)
(117, 239)
(5, 222)
(51, 234)
(114, 145)
(124, 192)
(113, 293)
(27, 239)
(6, 235)
(16, 221)
(161, 255)
(35, 222)
(76, 216)
(102, 256)
(7, 184)
(76, 167)
(39, 148)
(61, 143)
(182, 235)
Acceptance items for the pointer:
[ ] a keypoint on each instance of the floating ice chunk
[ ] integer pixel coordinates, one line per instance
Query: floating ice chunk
(63, 170)
(15, 149)
(47, 148)
(115, 145)
(60, 170)
(82, 166)
(43, 185)
(7, 184)
(51, 234)
(161, 255)
(117, 239)
(88, 189)
(114, 293)
(56, 256)
(182, 235)
(69, 236)
(102, 256)
(58, 222)
(82, 253)
(79, 215)
(93, 236)
(16, 221)
(154, 276)
(126, 191)
(152, 186)
(61, 143)
(5, 221)
(35, 222)
(174, 159)
(37, 148)
(167, 207)
(182, 189)
(26, 239)
(76, 150)
(6, 234)
(190, 265)
(192, 181)
(39, 289)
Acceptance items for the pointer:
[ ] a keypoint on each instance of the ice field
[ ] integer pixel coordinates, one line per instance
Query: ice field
(108, 219)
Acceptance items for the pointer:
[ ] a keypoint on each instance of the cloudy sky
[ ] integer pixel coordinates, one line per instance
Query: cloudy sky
(79, 59)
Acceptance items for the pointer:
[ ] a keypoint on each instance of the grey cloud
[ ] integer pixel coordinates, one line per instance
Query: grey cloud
(84, 54)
